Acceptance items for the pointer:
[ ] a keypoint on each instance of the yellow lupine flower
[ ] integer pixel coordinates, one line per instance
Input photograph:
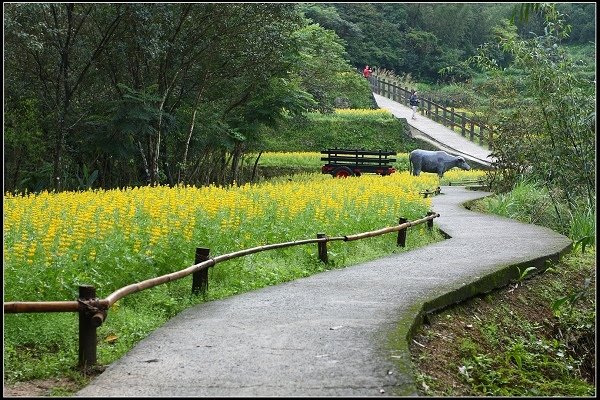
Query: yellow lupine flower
(72, 225)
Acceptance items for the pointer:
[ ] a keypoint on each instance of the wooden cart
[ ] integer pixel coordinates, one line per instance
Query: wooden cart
(354, 162)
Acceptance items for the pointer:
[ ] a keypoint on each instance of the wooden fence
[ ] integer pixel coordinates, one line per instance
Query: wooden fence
(434, 111)
(93, 311)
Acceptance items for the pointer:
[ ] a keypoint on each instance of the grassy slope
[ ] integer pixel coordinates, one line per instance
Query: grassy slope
(510, 343)
(361, 131)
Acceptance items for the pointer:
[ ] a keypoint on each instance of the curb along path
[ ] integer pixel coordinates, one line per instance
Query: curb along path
(327, 334)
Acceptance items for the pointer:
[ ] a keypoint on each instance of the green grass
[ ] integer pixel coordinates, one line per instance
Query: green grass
(45, 352)
(531, 203)
(513, 342)
(365, 129)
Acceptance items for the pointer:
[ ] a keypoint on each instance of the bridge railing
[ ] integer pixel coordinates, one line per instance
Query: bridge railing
(93, 311)
(437, 112)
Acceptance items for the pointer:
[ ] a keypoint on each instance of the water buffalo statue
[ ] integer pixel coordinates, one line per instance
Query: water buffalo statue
(434, 161)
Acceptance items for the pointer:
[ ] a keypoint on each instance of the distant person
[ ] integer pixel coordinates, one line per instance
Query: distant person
(367, 71)
(414, 102)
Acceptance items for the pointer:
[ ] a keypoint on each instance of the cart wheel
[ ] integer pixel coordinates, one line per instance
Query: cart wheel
(342, 172)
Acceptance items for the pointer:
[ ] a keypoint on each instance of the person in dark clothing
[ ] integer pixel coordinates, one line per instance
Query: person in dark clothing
(414, 102)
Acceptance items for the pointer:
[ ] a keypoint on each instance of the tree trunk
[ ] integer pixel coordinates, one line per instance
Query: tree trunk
(255, 166)
(236, 157)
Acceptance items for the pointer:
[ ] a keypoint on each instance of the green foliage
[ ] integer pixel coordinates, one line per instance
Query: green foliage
(570, 300)
(585, 241)
(87, 180)
(321, 131)
(324, 72)
(522, 275)
(543, 117)
(419, 39)
(25, 153)
(510, 373)
(41, 342)
(423, 53)
(520, 351)
(279, 99)
(531, 202)
(153, 94)
(581, 16)
(352, 91)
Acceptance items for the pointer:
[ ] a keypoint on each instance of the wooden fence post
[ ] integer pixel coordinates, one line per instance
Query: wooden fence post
(462, 124)
(430, 222)
(402, 233)
(472, 133)
(322, 246)
(445, 118)
(87, 328)
(200, 278)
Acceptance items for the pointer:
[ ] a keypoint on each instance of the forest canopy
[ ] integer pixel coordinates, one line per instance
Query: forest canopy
(123, 94)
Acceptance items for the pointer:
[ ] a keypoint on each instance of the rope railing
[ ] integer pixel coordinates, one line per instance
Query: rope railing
(93, 311)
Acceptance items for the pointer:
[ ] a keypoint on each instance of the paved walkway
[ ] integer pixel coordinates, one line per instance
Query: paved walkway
(328, 334)
(437, 134)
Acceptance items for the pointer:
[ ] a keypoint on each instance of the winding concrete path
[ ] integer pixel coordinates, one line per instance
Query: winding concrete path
(330, 334)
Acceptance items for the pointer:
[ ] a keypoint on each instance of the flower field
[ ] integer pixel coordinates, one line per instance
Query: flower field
(109, 239)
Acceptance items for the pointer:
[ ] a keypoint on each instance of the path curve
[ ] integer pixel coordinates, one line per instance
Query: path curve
(327, 334)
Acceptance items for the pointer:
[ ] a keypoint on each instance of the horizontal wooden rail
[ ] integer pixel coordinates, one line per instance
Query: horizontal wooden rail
(150, 283)
(351, 159)
(467, 182)
(426, 193)
(359, 152)
(40, 306)
(382, 231)
(93, 311)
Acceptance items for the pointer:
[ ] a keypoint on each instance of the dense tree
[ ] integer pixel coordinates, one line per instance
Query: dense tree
(582, 18)
(218, 54)
(391, 35)
(134, 93)
(321, 65)
(56, 46)
(544, 120)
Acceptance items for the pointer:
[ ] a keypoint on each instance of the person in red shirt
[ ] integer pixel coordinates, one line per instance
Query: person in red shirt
(367, 71)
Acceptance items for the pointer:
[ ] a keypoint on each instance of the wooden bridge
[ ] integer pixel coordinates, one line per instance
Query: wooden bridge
(436, 124)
